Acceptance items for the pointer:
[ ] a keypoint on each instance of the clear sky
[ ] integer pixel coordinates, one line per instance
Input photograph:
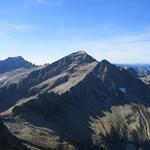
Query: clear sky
(44, 30)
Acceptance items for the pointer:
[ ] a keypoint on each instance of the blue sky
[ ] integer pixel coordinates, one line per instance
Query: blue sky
(43, 31)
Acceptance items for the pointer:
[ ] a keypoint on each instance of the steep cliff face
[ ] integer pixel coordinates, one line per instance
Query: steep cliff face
(79, 103)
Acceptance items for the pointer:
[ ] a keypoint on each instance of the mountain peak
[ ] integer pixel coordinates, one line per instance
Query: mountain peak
(82, 52)
(13, 63)
(15, 59)
(80, 57)
(74, 92)
(105, 62)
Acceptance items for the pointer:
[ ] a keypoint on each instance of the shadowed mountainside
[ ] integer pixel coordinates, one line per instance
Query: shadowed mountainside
(79, 103)
(8, 141)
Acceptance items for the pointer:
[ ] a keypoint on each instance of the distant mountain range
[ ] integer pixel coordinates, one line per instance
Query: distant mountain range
(141, 69)
(76, 103)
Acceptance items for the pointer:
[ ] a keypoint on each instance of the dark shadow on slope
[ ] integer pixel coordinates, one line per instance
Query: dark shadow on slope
(114, 141)
(15, 91)
(8, 141)
(68, 114)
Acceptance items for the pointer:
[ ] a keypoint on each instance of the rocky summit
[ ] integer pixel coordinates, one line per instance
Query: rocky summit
(13, 63)
(75, 103)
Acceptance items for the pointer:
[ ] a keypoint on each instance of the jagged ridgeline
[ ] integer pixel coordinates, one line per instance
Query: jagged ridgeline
(76, 103)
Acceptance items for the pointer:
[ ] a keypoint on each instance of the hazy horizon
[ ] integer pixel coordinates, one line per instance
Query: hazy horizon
(138, 63)
(43, 31)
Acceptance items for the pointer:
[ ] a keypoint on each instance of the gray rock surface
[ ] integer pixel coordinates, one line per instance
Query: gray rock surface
(78, 103)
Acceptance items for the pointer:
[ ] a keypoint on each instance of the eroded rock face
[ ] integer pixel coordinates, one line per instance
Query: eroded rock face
(79, 103)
